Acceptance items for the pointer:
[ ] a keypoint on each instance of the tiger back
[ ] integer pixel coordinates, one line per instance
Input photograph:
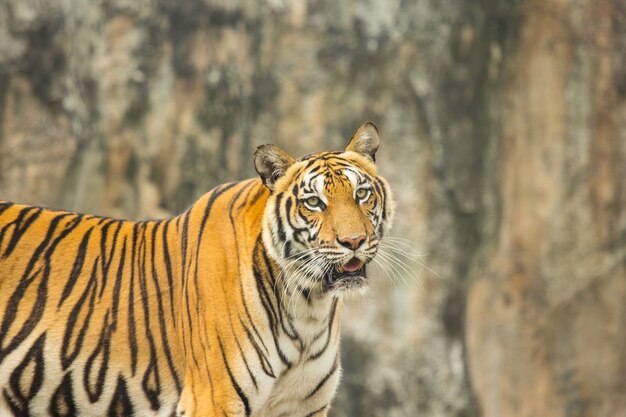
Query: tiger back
(229, 309)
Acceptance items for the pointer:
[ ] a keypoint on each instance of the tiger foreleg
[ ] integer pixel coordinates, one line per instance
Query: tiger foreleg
(202, 402)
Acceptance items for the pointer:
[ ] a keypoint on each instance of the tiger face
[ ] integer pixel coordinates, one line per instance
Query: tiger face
(326, 214)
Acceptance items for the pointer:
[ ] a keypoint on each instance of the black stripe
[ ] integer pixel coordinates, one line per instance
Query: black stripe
(315, 169)
(95, 386)
(132, 335)
(266, 300)
(21, 226)
(238, 389)
(151, 381)
(161, 312)
(118, 285)
(77, 268)
(265, 365)
(378, 184)
(26, 385)
(297, 232)
(243, 356)
(4, 206)
(107, 260)
(254, 328)
(319, 410)
(323, 381)
(187, 302)
(282, 235)
(16, 409)
(184, 274)
(62, 401)
(271, 315)
(236, 257)
(168, 270)
(329, 333)
(27, 278)
(310, 178)
(121, 405)
(261, 191)
(90, 291)
(216, 193)
(207, 211)
(245, 201)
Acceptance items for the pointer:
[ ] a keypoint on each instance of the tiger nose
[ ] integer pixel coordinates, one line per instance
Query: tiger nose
(351, 242)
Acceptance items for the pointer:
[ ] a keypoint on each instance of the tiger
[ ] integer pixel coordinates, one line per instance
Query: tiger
(229, 309)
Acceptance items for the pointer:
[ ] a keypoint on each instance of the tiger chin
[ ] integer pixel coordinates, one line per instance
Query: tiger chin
(229, 309)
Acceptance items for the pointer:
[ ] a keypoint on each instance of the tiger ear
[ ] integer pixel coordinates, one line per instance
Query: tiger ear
(365, 141)
(271, 163)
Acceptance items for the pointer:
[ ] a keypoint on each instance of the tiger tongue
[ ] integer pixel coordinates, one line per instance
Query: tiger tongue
(353, 265)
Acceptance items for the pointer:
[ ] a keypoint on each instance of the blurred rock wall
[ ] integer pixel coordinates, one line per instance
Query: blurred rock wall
(504, 137)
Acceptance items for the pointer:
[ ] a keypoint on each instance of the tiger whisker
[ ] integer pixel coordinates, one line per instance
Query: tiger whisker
(381, 266)
(383, 257)
(401, 265)
(302, 271)
(286, 268)
(419, 261)
(311, 267)
(396, 276)
(408, 245)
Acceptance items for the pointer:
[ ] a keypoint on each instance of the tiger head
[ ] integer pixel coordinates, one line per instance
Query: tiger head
(326, 214)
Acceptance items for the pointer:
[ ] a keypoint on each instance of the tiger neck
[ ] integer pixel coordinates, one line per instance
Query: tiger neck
(303, 314)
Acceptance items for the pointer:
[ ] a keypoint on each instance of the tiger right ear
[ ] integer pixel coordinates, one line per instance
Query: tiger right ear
(365, 141)
(271, 163)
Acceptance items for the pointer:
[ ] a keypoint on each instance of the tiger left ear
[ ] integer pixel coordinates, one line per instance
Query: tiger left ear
(271, 163)
(365, 141)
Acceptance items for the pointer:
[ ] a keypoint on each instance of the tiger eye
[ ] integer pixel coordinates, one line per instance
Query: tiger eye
(361, 193)
(313, 201)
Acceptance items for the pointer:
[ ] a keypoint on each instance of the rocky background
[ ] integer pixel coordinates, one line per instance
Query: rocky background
(504, 137)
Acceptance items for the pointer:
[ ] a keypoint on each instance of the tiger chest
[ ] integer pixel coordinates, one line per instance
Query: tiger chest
(307, 384)
(305, 389)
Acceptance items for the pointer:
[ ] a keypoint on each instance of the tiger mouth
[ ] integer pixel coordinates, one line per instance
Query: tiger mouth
(353, 265)
(352, 272)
